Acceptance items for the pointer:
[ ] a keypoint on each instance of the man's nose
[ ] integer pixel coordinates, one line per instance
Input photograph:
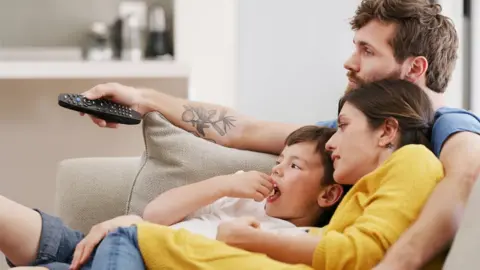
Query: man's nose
(352, 63)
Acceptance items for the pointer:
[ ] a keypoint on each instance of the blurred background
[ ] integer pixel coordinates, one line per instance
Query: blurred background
(273, 59)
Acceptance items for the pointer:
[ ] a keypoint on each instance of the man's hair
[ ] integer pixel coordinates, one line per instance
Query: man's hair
(420, 31)
(320, 136)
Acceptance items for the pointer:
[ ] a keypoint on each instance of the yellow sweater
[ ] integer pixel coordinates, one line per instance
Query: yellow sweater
(371, 217)
(378, 209)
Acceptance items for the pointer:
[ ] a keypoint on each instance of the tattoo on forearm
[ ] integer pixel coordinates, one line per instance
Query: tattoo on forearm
(198, 135)
(202, 119)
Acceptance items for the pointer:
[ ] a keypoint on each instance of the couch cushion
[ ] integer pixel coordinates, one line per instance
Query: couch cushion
(174, 157)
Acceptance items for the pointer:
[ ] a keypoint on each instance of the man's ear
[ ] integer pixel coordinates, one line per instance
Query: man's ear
(388, 132)
(330, 195)
(417, 68)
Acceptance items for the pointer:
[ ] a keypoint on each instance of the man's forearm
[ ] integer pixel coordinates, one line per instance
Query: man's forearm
(439, 220)
(219, 124)
(212, 122)
(293, 249)
(432, 232)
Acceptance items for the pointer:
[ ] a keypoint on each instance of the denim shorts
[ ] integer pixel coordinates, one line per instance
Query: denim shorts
(57, 244)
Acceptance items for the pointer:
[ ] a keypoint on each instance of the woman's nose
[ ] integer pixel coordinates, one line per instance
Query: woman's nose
(329, 146)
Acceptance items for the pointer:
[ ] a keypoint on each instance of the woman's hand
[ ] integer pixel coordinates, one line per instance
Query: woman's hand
(85, 247)
(235, 232)
(253, 185)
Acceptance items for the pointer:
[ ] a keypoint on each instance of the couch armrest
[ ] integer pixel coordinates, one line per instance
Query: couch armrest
(463, 253)
(91, 190)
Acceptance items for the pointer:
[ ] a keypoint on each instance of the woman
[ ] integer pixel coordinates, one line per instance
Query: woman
(383, 134)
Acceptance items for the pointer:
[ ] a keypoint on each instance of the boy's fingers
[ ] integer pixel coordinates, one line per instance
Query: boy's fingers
(258, 197)
(264, 191)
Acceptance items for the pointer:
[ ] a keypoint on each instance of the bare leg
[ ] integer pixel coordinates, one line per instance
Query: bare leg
(20, 229)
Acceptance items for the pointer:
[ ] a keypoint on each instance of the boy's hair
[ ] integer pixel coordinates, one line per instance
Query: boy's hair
(420, 31)
(319, 135)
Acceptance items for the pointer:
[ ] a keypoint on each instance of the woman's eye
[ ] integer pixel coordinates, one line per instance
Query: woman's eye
(294, 166)
(342, 125)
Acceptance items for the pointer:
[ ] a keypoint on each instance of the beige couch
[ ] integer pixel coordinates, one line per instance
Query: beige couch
(91, 190)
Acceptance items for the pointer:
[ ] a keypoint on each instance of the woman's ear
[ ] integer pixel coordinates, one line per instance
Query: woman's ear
(330, 195)
(388, 132)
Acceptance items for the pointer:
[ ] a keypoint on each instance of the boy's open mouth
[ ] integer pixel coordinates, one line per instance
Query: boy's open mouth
(274, 195)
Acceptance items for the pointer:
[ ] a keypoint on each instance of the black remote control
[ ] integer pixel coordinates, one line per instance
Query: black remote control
(100, 108)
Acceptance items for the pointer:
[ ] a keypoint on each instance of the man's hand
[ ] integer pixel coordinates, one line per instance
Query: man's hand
(233, 232)
(253, 185)
(125, 95)
(97, 233)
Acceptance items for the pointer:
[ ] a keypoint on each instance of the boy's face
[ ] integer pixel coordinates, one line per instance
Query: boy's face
(298, 174)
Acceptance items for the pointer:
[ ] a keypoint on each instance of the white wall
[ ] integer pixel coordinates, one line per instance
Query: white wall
(206, 40)
(457, 91)
(290, 58)
(475, 80)
(279, 59)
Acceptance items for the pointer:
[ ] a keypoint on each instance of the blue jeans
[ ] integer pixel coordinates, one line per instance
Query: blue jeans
(119, 250)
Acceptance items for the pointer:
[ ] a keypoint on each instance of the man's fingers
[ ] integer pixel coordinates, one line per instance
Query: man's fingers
(112, 125)
(99, 122)
(96, 92)
(102, 123)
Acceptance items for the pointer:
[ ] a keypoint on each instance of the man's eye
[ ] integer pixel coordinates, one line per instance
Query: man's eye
(368, 52)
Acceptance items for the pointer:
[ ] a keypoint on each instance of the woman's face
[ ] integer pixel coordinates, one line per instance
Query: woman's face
(355, 146)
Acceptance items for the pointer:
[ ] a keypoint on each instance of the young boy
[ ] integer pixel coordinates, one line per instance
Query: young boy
(299, 193)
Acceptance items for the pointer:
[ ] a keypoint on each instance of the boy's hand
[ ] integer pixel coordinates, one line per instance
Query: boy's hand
(85, 247)
(254, 185)
(236, 231)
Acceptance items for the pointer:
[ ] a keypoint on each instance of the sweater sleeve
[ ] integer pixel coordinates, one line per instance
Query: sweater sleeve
(405, 182)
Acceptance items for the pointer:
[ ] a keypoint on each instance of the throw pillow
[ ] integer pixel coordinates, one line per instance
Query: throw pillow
(174, 157)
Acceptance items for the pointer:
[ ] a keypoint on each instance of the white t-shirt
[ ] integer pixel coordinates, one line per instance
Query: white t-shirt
(206, 220)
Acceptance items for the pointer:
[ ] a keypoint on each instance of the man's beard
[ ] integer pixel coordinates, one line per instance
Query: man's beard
(352, 76)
